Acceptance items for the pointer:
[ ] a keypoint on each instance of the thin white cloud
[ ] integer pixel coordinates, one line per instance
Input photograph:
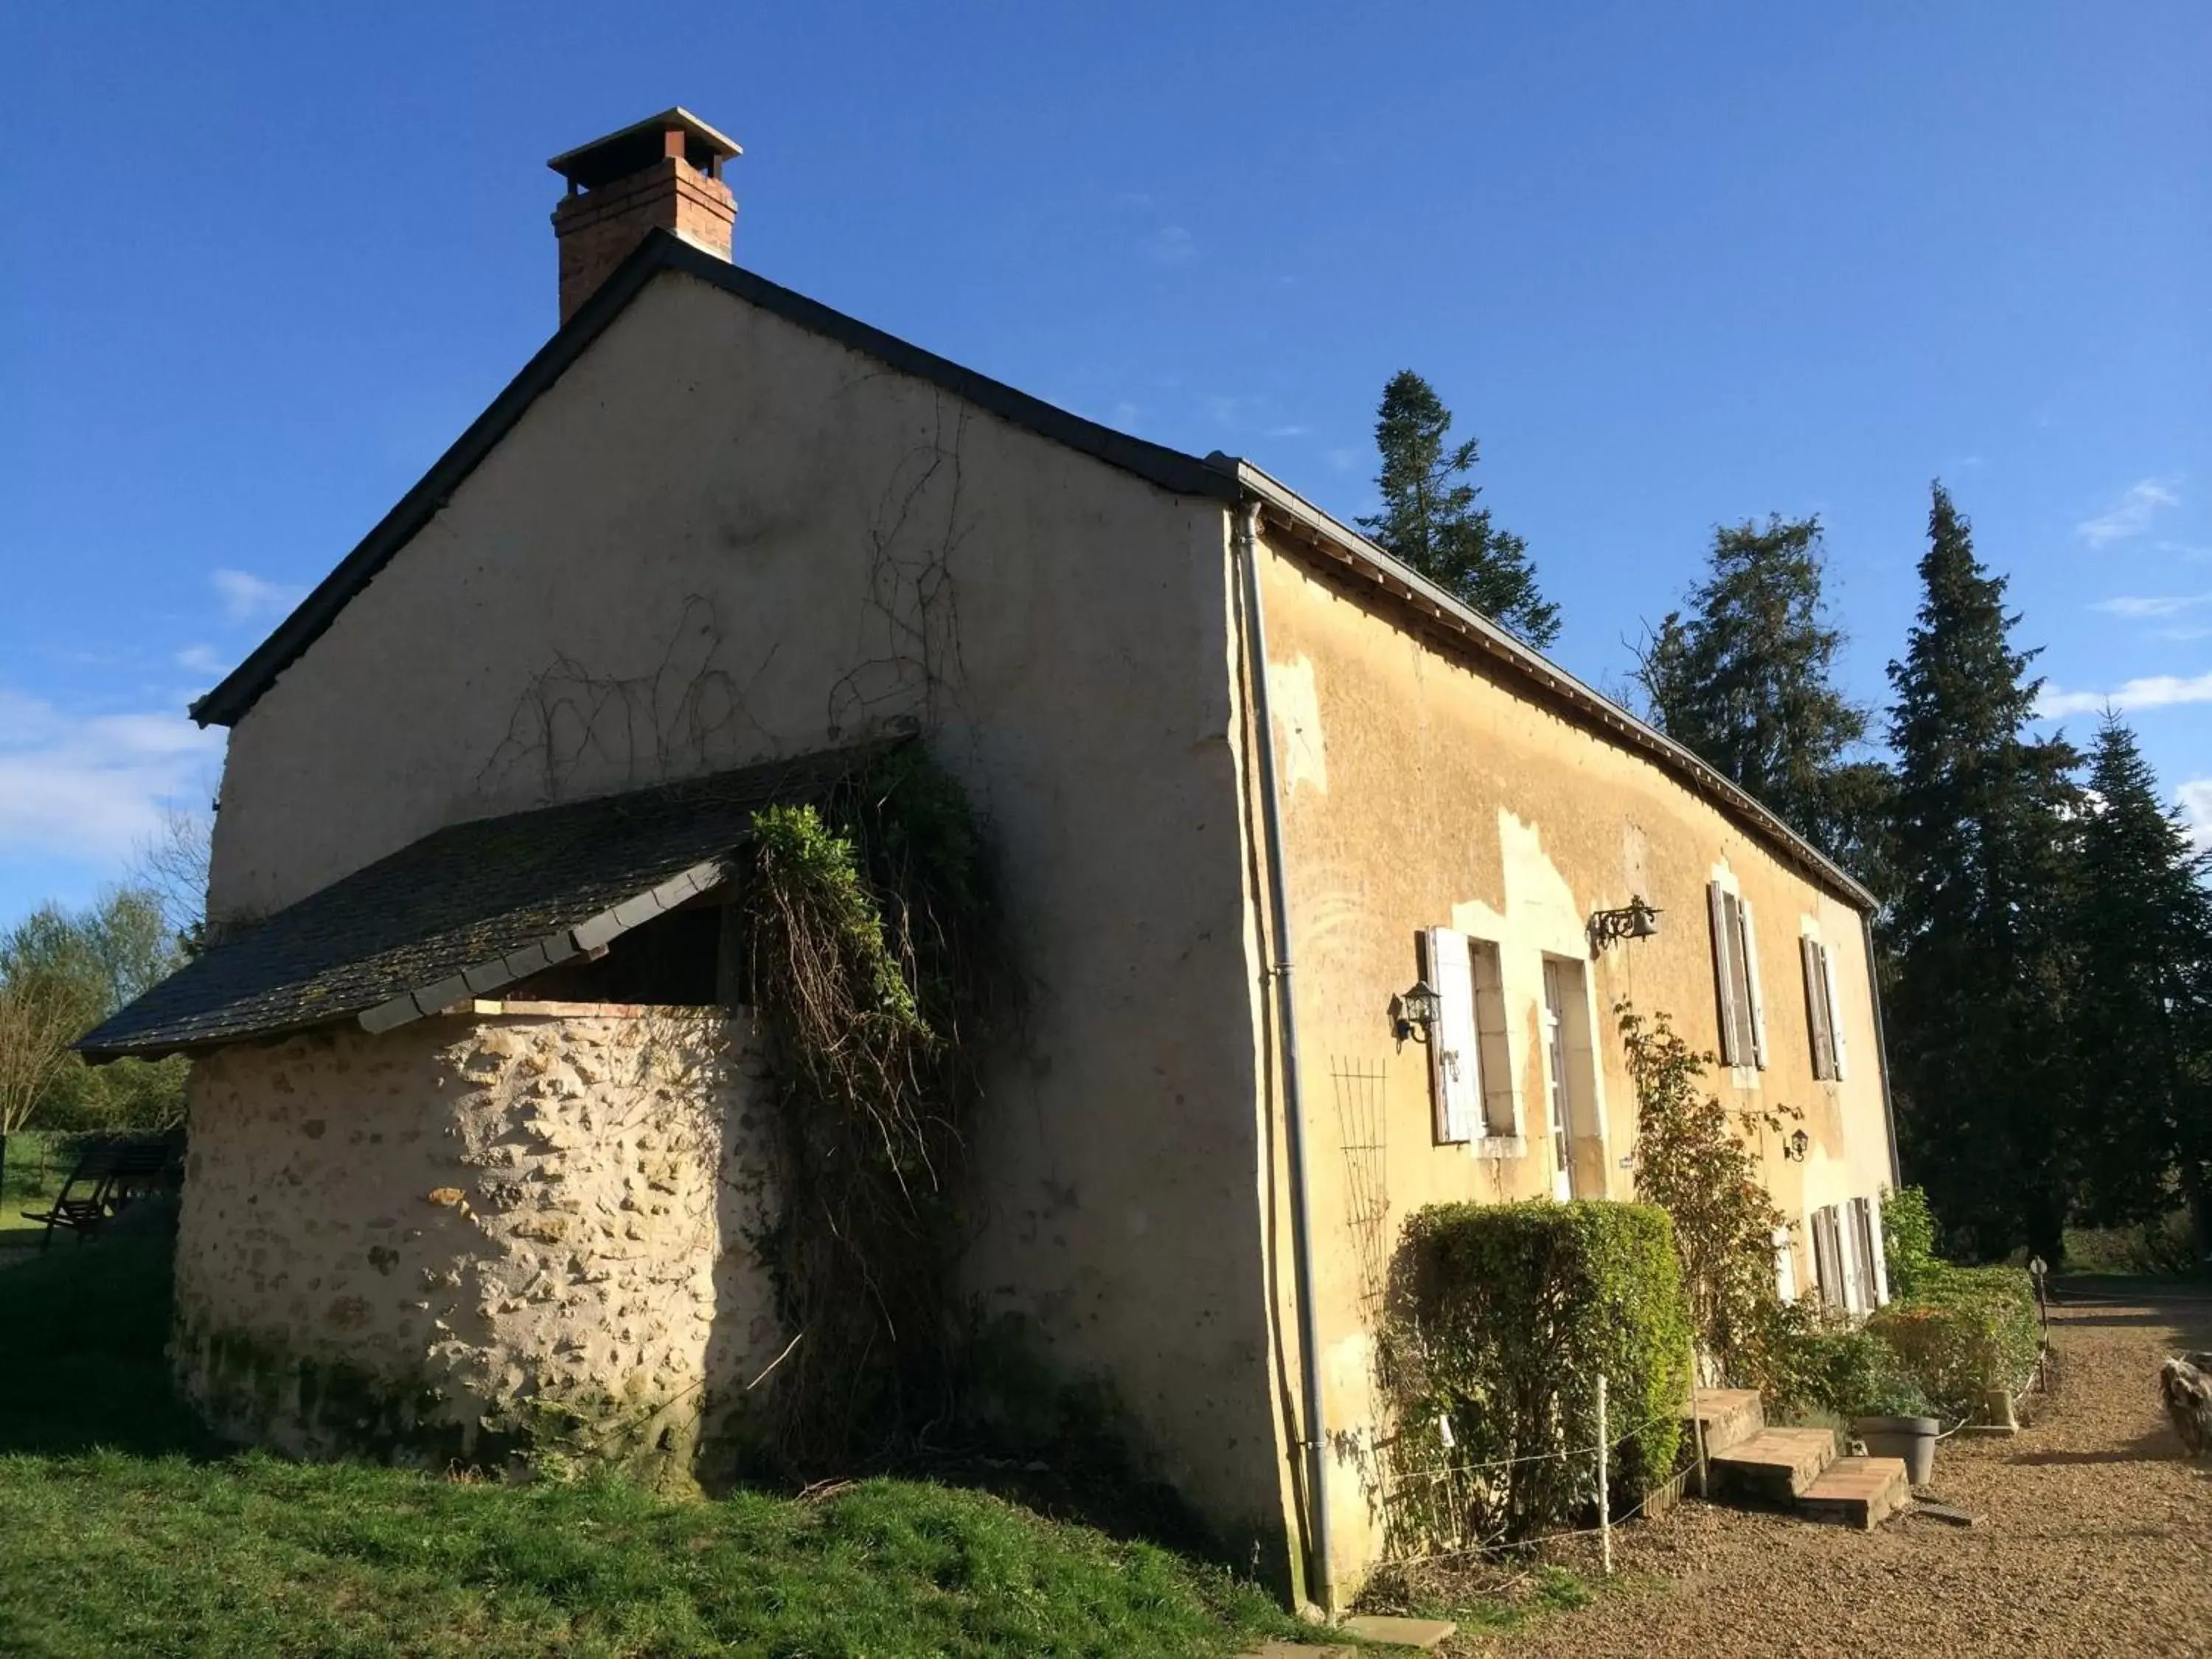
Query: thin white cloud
(1287, 431)
(2131, 516)
(247, 595)
(2196, 797)
(2153, 691)
(90, 788)
(2147, 608)
(203, 659)
(1170, 245)
(2187, 549)
(1343, 460)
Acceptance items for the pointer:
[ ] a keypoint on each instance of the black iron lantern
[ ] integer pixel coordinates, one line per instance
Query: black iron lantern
(1414, 1012)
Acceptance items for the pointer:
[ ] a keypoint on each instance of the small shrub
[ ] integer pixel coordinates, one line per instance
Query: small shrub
(1842, 1371)
(1970, 1330)
(1908, 1242)
(1503, 1318)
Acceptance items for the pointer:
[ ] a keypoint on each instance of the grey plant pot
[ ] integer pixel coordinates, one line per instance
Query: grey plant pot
(1912, 1438)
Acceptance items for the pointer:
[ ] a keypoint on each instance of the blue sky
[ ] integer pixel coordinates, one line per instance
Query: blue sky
(259, 265)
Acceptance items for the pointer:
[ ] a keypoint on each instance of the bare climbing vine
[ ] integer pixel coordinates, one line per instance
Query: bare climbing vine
(910, 634)
(676, 717)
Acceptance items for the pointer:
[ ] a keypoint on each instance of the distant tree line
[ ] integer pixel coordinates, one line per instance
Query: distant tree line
(63, 971)
(2044, 932)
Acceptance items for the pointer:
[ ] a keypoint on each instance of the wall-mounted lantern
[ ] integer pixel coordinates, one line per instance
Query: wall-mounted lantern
(1414, 1010)
(1635, 920)
(1795, 1146)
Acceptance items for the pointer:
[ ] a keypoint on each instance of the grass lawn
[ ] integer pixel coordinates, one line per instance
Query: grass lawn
(122, 1531)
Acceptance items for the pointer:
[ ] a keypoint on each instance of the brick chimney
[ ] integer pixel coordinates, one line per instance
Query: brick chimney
(665, 171)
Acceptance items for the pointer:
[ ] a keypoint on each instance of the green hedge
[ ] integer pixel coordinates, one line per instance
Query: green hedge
(1967, 1331)
(1504, 1315)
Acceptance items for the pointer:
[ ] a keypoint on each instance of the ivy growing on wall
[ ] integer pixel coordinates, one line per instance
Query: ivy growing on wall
(869, 969)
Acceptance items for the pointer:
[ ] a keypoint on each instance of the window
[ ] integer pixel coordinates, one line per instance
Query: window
(1823, 1011)
(1498, 1115)
(1785, 1269)
(1847, 1257)
(1736, 979)
(1470, 1074)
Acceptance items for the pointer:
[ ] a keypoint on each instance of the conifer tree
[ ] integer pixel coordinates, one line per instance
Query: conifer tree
(1430, 520)
(2143, 931)
(1980, 975)
(1745, 679)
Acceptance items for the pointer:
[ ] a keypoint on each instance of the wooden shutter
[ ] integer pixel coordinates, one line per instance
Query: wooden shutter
(1754, 1005)
(1816, 1008)
(1836, 1064)
(1876, 1253)
(1722, 904)
(1455, 1061)
(1851, 1229)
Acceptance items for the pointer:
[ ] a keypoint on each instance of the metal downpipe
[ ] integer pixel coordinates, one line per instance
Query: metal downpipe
(1881, 1050)
(1320, 1578)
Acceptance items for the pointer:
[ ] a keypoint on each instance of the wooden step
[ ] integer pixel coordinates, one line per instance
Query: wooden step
(1857, 1491)
(1730, 1417)
(1774, 1465)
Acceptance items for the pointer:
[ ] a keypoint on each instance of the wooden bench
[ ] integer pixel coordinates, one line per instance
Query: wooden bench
(111, 1174)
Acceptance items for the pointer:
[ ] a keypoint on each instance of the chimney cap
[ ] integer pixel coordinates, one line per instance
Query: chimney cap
(638, 146)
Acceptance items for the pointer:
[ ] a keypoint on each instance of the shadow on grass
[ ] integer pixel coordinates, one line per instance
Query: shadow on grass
(85, 1328)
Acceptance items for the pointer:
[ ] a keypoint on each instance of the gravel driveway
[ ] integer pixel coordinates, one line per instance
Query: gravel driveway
(2097, 1540)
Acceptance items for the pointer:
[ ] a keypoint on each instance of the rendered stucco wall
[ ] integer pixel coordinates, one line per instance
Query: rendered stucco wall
(1421, 792)
(718, 538)
(510, 1238)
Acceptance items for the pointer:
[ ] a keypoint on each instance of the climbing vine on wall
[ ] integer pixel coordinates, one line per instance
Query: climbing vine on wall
(1697, 1164)
(868, 924)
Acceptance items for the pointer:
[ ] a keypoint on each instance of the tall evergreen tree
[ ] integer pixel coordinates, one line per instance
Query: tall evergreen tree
(1430, 520)
(1980, 969)
(2143, 931)
(1745, 679)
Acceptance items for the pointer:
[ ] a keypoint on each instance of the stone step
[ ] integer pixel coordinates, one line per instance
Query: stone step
(1730, 1417)
(1857, 1491)
(1774, 1465)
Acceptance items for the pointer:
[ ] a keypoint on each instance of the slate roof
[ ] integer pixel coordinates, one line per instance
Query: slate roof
(466, 910)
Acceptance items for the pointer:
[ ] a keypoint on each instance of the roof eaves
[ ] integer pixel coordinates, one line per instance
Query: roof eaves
(592, 934)
(1170, 470)
(1413, 588)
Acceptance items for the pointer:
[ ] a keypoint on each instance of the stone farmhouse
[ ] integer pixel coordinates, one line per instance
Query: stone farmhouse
(1248, 781)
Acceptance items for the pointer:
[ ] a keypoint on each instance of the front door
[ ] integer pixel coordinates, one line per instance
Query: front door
(1555, 1053)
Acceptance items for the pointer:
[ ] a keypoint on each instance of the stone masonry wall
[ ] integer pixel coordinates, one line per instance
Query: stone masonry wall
(497, 1239)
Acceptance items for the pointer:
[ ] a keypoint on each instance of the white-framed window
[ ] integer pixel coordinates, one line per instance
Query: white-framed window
(1785, 1267)
(1499, 1116)
(1743, 1012)
(1823, 1011)
(1470, 1072)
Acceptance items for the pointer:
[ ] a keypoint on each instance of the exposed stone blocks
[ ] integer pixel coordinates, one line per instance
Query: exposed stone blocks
(486, 1238)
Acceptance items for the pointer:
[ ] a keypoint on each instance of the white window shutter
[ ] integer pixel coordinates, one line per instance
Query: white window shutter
(1880, 1255)
(1454, 1048)
(1835, 1012)
(1850, 1230)
(1785, 1269)
(1751, 984)
(1723, 975)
